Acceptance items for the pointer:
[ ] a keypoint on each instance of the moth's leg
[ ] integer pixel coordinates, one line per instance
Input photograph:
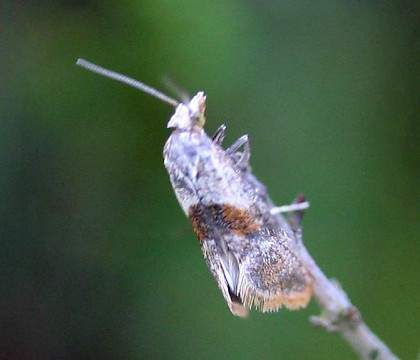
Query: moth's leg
(242, 159)
(219, 135)
(243, 140)
(289, 208)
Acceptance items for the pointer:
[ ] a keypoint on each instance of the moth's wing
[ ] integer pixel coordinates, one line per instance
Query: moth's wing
(270, 274)
(223, 270)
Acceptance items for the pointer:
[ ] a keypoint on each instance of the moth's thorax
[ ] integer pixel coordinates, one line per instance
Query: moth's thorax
(201, 172)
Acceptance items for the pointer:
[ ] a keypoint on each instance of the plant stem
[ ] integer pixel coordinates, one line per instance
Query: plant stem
(338, 314)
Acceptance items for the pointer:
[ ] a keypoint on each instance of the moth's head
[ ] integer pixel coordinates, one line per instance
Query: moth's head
(187, 116)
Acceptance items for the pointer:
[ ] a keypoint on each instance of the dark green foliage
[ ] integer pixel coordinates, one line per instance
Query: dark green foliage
(97, 260)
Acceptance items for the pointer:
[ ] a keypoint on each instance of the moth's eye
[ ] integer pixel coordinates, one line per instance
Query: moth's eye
(201, 120)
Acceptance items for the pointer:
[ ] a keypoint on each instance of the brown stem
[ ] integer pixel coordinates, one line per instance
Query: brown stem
(338, 313)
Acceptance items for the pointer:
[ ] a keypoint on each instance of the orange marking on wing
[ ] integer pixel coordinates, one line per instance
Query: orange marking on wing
(268, 302)
(224, 217)
(198, 222)
(236, 220)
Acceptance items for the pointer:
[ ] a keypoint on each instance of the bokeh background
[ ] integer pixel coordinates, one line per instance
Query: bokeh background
(98, 261)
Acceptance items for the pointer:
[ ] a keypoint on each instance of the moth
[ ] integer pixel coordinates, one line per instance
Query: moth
(254, 263)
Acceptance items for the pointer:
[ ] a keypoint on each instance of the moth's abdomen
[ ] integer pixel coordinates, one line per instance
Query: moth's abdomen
(253, 265)
(270, 275)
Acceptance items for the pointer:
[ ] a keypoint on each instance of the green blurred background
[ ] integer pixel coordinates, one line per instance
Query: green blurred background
(97, 259)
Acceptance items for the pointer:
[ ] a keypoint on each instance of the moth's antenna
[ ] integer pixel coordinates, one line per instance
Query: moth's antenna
(126, 80)
(178, 90)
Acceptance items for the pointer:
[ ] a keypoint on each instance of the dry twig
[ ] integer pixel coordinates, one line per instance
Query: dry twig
(338, 314)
